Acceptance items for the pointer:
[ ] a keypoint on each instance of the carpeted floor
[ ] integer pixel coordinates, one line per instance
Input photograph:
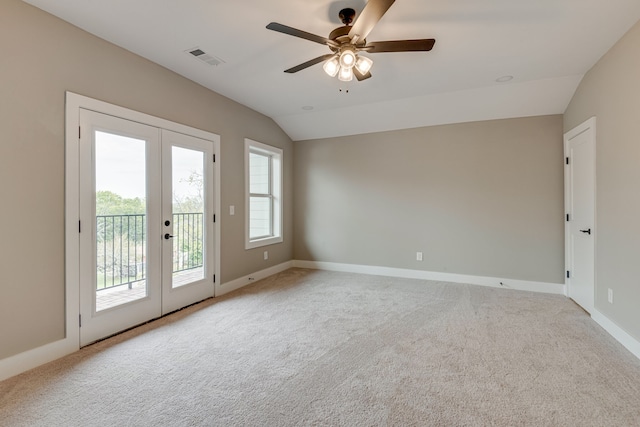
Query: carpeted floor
(321, 348)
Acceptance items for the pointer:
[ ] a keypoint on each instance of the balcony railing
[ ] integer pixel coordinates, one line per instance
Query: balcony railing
(121, 247)
(187, 241)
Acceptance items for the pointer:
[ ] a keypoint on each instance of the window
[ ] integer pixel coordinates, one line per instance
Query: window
(263, 184)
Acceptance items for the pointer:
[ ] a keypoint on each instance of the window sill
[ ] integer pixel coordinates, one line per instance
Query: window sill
(263, 242)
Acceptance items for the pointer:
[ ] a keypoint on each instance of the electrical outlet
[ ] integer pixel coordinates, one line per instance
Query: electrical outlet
(418, 256)
(610, 296)
(266, 255)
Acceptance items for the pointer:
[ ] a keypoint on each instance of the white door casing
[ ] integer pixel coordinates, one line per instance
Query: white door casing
(580, 226)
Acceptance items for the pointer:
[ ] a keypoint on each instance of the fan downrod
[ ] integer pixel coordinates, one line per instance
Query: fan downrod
(346, 15)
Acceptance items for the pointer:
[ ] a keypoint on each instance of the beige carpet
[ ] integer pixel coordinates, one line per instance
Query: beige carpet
(321, 348)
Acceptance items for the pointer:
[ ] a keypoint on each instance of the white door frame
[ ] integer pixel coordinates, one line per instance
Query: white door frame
(589, 127)
(74, 103)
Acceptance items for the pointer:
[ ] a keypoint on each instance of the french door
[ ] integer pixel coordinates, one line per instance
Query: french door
(146, 223)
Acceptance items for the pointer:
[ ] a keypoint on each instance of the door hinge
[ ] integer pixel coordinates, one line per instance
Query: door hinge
(80, 320)
(214, 278)
(214, 158)
(79, 226)
(567, 160)
(214, 217)
(568, 274)
(79, 132)
(567, 217)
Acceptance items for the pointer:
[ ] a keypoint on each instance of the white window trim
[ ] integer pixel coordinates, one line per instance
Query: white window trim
(276, 171)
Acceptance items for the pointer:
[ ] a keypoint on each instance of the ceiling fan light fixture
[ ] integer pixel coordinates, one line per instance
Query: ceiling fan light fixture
(345, 75)
(347, 41)
(347, 58)
(332, 66)
(364, 64)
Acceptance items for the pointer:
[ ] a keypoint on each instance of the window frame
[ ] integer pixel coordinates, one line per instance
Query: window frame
(275, 156)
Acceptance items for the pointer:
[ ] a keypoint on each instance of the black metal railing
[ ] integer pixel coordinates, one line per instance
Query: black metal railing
(121, 247)
(187, 241)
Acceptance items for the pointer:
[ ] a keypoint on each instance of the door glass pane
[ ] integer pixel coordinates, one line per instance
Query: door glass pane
(188, 215)
(121, 226)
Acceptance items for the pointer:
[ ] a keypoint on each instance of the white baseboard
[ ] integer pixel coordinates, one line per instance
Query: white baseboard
(33, 358)
(630, 343)
(30, 359)
(521, 285)
(241, 282)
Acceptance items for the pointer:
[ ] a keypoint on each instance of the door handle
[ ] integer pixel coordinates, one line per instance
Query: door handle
(587, 231)
(168, 236)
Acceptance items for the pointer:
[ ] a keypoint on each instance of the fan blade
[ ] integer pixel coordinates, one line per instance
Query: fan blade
(400, 46)
(299, 33)
(361, 76)
(309, 63)
(368, 18)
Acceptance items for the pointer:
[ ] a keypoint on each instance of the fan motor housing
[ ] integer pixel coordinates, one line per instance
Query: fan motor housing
(341, 36)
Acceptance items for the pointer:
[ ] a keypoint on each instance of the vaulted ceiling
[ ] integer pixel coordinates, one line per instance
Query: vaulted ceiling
(545, 45)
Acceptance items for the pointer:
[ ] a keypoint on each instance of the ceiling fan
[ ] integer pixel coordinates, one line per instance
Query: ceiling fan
(348, 41)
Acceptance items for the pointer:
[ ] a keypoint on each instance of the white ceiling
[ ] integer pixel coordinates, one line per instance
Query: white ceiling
(546, 45)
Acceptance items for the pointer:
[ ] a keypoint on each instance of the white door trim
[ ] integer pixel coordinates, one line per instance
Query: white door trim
(588, 126)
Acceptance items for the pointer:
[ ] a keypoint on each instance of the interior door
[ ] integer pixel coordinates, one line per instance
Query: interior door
(146, 223)
(580, 207)
(120, 214)
(187, 215)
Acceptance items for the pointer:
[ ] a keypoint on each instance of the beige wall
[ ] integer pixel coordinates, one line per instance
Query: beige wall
(42, 57)
(611, 92)
(481, 199)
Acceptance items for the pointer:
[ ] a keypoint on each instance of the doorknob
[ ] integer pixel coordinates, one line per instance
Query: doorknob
(587, 231)
(168, 236)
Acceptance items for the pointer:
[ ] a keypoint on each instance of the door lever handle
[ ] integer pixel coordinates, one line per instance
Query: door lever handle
(587, 231)
(168, 236)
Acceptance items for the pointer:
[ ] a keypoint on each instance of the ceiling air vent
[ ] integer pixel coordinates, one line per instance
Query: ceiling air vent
(201, 55)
